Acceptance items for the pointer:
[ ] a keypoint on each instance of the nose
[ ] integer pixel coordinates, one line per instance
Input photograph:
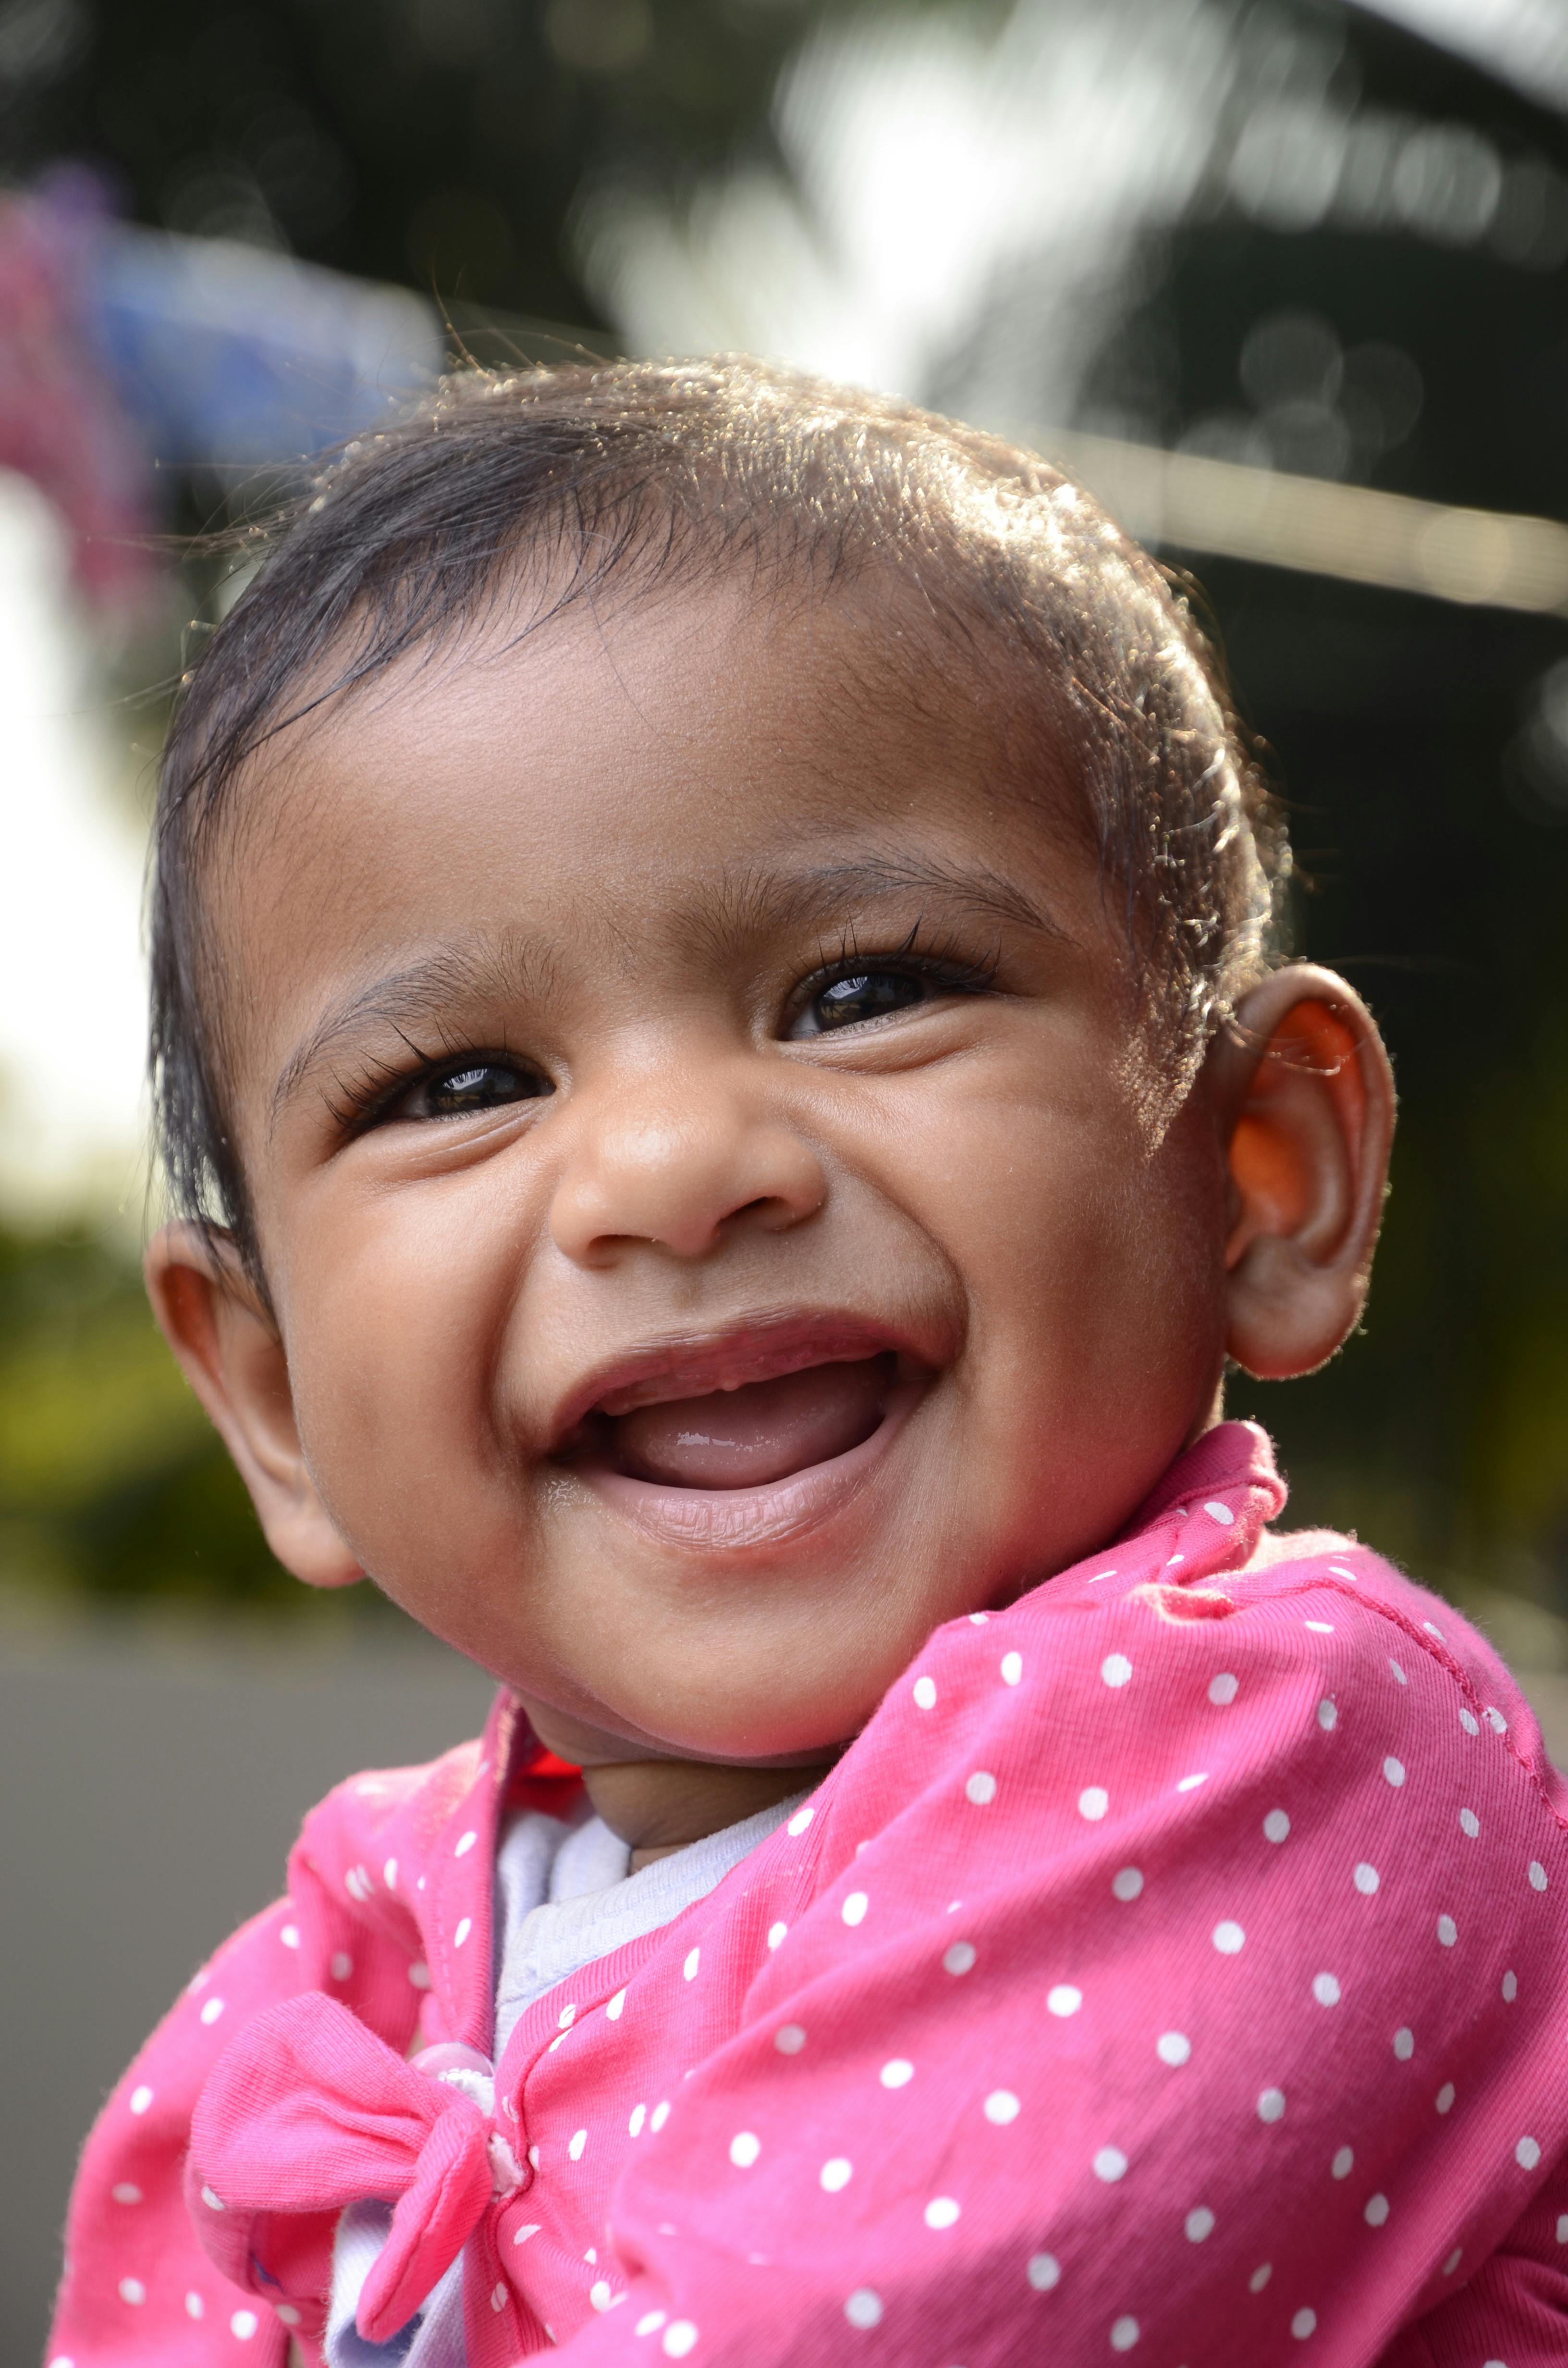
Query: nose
(679, 1163)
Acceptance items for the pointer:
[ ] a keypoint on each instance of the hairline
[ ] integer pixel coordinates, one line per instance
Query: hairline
(977, 592)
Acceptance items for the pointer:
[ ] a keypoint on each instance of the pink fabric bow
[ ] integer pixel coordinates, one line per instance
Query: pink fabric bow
(307, 2111)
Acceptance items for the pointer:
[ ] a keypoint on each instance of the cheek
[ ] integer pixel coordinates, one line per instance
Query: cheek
(390, 1312)
(1095, 1267)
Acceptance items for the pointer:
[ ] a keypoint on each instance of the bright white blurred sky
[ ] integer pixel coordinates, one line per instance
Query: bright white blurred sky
(72, 1000)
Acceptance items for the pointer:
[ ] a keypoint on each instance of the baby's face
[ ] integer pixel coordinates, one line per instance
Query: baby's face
(699, 1165)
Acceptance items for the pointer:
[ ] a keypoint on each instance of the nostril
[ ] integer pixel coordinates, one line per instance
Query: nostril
(770, 1212)
(682, 1188)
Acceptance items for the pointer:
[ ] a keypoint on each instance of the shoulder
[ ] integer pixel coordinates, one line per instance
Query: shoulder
(379, 1837)
(1333, 1602)
(1126, 1692)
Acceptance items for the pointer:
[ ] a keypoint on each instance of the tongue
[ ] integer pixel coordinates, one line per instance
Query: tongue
(742, 1439)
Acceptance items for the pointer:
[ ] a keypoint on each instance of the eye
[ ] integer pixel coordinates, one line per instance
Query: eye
(473, 1085)
(863, 994)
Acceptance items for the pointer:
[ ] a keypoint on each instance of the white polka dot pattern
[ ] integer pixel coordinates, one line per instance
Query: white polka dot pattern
(1245, 1889)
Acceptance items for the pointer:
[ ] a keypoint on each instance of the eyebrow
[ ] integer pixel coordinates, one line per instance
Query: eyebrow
(803, 896)
(411, 996)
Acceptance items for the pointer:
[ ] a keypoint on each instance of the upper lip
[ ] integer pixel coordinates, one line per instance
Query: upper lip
(689, 1365)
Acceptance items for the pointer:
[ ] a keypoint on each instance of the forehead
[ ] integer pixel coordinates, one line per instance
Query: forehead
(605, 777)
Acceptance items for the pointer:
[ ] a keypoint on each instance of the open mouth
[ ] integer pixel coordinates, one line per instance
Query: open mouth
(752, 1434)
(743, 1412)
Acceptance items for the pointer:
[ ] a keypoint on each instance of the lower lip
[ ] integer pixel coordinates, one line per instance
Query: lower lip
(733, 1517)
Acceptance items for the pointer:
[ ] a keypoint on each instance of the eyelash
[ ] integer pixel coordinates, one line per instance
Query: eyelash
(364, 1102)
(945, 965)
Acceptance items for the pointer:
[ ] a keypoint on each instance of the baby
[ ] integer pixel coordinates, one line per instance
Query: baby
(718, 1053)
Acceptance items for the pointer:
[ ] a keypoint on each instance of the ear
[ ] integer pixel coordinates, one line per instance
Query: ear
(233, 1359)
(1305, 1097)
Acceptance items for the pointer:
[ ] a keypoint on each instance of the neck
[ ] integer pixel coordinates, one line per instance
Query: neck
(660, 1805)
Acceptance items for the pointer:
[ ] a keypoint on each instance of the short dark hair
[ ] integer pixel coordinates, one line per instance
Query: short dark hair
(622, 474)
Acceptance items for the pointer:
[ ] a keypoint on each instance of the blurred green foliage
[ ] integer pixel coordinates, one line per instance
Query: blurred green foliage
(111, 1479)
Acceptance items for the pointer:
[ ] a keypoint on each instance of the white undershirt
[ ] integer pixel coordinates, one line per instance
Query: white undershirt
(563, 1899)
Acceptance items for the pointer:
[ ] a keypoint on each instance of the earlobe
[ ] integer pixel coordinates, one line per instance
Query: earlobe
(228, 1349)
(1305, 1098)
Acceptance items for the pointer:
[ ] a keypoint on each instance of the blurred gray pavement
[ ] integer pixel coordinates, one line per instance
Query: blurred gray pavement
(151, 1784)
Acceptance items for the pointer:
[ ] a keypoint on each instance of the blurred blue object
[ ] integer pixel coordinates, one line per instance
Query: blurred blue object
(230, 358)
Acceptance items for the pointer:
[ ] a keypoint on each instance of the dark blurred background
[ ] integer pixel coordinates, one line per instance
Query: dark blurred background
(1285, 281)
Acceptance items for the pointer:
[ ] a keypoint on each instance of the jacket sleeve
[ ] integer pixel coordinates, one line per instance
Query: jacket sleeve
(1202, 1999)
(140, 2287)
(1516, 2307)
(137, 2286)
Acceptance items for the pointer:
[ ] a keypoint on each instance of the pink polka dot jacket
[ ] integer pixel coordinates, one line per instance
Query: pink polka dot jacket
(1174, 1966)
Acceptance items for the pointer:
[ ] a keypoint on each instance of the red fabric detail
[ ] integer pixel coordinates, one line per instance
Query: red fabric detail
(546, 1763)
